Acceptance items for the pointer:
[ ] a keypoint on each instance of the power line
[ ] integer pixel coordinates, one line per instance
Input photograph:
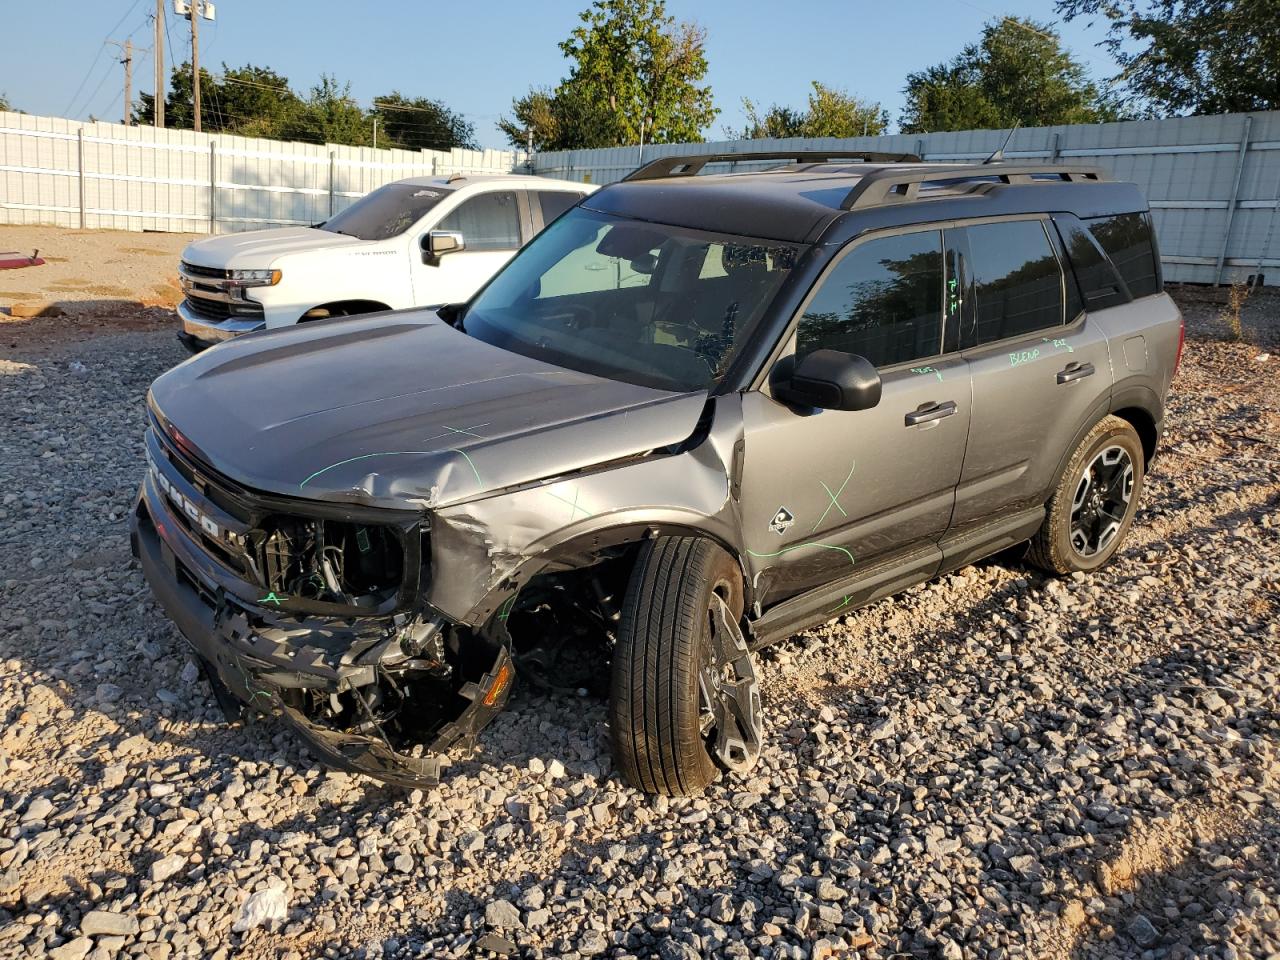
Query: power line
(1005, 18)
(88, 73)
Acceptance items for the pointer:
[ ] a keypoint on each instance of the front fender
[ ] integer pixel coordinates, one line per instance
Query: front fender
(483, 550)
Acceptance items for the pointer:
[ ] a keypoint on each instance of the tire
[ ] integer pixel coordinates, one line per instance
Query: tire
(1066, 542)
(659, 744)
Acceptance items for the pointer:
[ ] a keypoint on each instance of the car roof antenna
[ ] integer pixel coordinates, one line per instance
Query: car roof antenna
(998, 156)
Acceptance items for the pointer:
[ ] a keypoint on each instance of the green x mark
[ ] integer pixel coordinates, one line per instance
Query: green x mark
(835, 497)
(272, 598)
(574, 509)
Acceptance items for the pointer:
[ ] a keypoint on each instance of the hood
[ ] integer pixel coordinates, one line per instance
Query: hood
(259, 249)
(401, 409)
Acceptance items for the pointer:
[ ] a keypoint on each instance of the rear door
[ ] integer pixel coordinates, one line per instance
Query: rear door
(493, 225)
(1040, 367)
(829, 494)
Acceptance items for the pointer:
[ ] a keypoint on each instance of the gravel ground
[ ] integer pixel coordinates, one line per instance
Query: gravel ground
(993, 765)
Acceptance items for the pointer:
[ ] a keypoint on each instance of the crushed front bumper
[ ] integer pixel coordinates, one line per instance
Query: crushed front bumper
(271, 666)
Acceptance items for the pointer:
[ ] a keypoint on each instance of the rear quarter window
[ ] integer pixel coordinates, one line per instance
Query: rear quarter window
(1127, 240)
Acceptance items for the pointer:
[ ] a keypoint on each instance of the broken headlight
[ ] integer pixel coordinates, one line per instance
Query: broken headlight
(332, 561)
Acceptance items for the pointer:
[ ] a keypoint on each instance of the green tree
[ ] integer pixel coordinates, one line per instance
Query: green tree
(830, 113)
(4, 102)
(1018, 72)
(249, 101)
(1192, 56)
(329, 115)
(776, 123)
(835, 113)
(415, 123)
(634, 68)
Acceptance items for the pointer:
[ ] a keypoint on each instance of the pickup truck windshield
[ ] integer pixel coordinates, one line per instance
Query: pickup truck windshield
(646, 303)
(386, 212)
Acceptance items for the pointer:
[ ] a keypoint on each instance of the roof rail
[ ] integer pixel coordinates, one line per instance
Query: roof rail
(690, 165)
(889, 186)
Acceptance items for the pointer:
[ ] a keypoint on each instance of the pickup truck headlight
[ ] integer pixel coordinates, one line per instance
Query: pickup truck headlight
(253, 278)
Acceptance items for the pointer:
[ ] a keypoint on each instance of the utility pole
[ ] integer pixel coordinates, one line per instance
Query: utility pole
(127, 60)
(194, 17)
(193, 10)
(128, 81)
(157, 111)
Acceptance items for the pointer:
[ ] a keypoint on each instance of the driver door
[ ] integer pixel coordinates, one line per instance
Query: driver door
(492, 225)
(828, 495)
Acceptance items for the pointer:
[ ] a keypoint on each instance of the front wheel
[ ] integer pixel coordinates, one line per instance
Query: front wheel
(684, 688)
(1093, 504)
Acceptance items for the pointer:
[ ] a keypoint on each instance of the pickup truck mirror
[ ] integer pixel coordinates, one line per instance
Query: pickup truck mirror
(827, 379)
(439, 242)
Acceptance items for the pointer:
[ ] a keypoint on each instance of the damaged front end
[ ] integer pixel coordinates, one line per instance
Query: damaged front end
(312, 613)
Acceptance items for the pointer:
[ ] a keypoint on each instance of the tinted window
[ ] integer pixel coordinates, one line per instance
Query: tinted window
(1126, 238)
(556, 202)
(490, 221)
(1017, 282)
(882, 301)
(386, 212)
(1099, 285)
(629, 300)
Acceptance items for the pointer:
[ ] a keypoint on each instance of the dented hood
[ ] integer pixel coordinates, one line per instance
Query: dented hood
(401, 409)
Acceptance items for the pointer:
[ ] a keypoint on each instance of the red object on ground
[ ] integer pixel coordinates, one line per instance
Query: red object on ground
(12, 261)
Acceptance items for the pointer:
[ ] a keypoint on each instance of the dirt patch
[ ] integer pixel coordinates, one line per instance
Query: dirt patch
(99, 279)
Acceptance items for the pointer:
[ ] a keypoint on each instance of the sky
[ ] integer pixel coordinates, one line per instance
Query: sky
(477, 57)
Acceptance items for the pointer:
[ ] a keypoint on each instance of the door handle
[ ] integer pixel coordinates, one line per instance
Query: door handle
(1075, 371)
(928, 412)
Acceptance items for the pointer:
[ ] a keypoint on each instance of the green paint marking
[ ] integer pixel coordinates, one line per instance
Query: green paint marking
(848, 598)
(366, 456)
(467, 430)
(923, 370)
(801, 546)
(505, 610)
(574, 509)
(273, 598)
(1023, 356)
(392, 453)
(1060, 343)
(835, 497)
(479, 482)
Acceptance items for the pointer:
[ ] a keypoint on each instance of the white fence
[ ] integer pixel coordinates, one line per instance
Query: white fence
(1213, 182)
(73, 174)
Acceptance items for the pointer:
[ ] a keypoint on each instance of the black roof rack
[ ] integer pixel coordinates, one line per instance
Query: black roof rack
(690, 165)
(890, 186)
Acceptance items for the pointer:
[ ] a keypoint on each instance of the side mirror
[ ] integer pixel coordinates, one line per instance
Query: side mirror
(828, 379)
(439, 242)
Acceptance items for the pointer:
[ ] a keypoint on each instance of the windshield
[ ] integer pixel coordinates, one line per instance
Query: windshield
(387, 212)
(646, 303)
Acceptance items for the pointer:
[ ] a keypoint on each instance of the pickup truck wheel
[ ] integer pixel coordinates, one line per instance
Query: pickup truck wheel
(1093, 505)
(683, 683)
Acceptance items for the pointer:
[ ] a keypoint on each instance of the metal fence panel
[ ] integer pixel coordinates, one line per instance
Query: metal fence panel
(1185, 165)
(1215, 205)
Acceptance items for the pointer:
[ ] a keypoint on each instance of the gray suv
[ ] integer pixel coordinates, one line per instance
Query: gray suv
(695, 415)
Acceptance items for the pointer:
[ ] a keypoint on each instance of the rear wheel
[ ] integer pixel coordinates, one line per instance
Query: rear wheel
(1093, 505)
(684, 689)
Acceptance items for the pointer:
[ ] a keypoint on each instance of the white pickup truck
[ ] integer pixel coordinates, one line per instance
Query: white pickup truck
(416, 242)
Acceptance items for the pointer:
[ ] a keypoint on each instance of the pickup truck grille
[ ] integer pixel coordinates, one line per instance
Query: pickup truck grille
(213, 273)
(222, 309)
